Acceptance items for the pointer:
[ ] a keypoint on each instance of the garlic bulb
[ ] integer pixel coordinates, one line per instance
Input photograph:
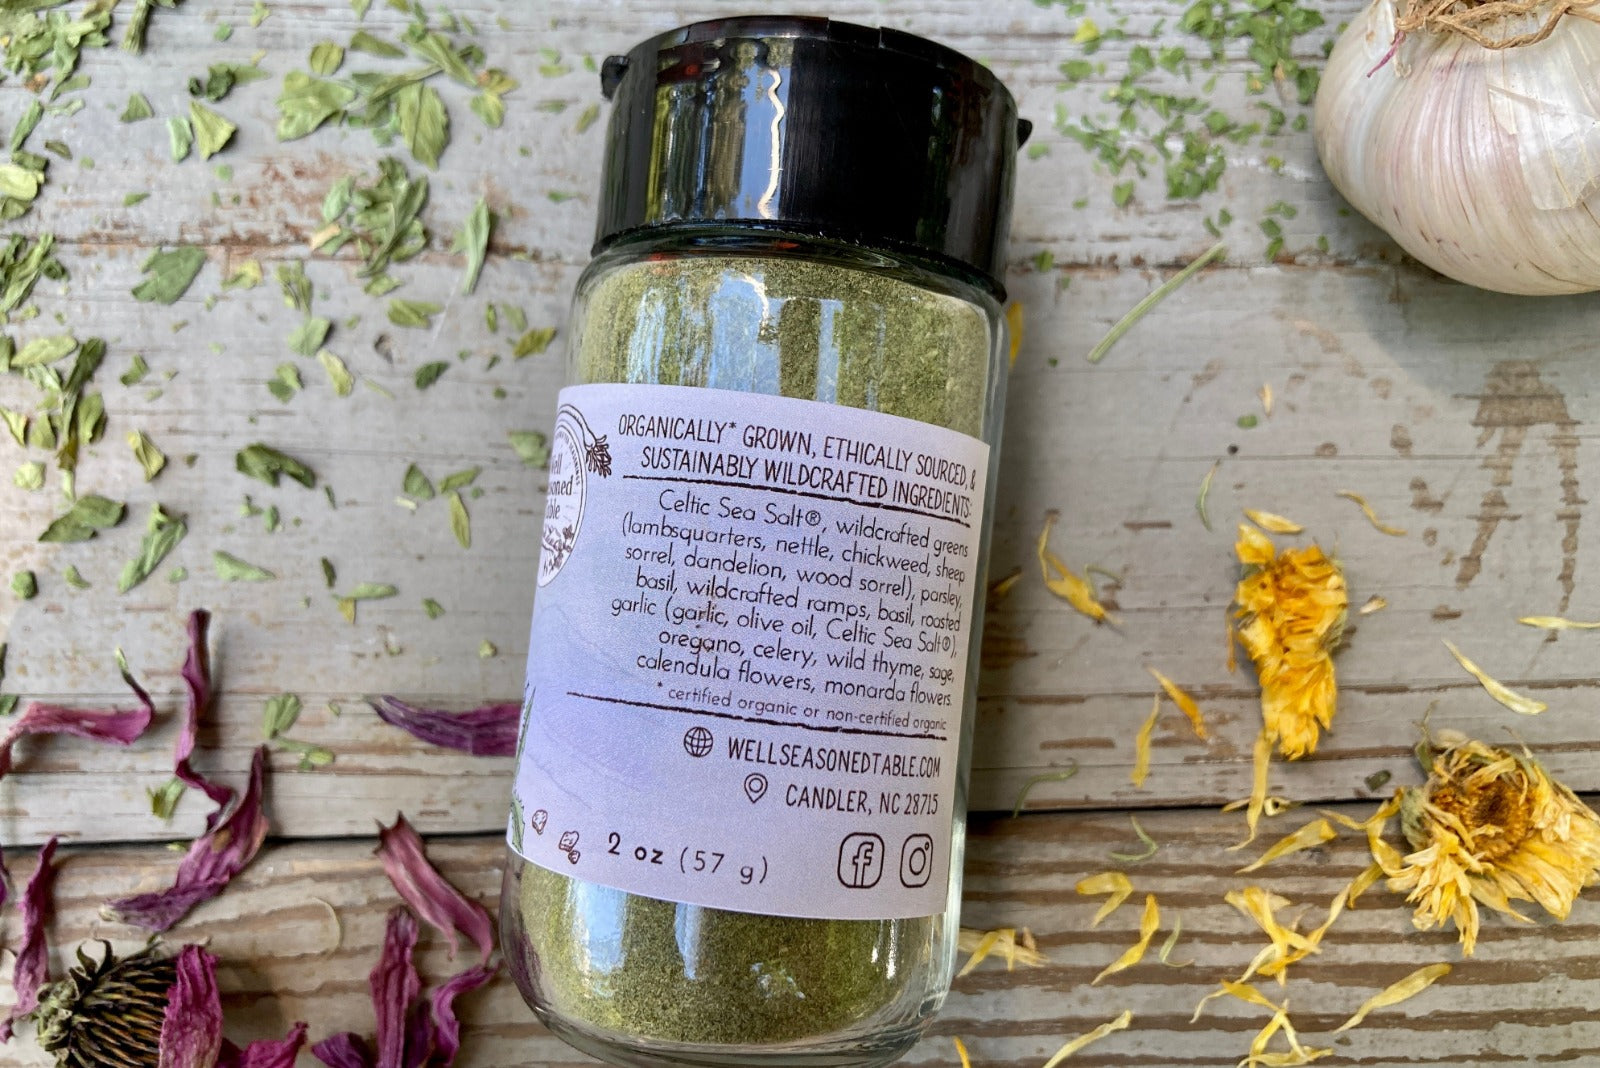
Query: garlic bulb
(1483, 163)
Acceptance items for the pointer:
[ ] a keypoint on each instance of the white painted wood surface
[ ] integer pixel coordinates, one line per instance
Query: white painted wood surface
(1462, 416)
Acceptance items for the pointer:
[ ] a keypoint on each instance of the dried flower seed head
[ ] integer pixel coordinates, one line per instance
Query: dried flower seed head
(1291, 609)
(1490, 827)
(107, 1013)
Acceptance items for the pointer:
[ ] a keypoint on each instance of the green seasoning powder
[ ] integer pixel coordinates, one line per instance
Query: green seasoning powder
(879, 339)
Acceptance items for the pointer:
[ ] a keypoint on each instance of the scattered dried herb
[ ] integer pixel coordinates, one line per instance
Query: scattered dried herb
(433, 608)
(25, 585)
(232, 569)
(1156, 296)
(29, 476)
(413, 313)
(460, 479)
(309, 336)
(460, 522)
(533, 342)
(416, 484)
(531, 447)
(162, 535)
(278, 714)
(150, 458)
(168, 275)
(180, 137)
(366, 591)
(429, 373)
(212, 132)
(338, 374)
(72, 578)
(1149, 923)
(267, 464)
(1151, 846)
(472, 241)
(86, 518)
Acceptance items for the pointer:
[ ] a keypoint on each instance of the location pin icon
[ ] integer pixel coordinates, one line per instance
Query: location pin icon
(755, 786)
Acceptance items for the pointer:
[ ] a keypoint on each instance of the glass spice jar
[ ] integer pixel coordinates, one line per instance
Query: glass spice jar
(738, 815)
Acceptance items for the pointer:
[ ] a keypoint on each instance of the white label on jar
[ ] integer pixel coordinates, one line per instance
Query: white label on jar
(748, 662)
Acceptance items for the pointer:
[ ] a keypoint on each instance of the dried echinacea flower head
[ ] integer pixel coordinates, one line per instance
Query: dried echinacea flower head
(107, 1012)
(1490, 827)
(1291, 609)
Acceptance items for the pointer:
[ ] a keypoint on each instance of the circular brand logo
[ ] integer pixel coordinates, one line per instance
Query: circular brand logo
(563, 503)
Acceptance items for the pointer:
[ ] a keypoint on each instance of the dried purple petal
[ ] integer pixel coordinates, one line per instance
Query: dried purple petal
(441, 1039)
(394, 983)
(191, 1030)
(33, 954)
(197, 685)
(487, 731)
(346, 1050)
(265, 1053)
(120, 727)
(212, 861)
(430, 893)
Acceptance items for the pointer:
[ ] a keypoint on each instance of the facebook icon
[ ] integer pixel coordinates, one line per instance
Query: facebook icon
(861, 860)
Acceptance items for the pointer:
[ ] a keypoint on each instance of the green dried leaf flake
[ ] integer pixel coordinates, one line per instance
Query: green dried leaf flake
(362, 41)
(162, 534)
(17, 423)
(212, 132)
(416, 484)
(138, 109)
(285, 382)
(131, 199)
(486, 649)
(460, 479)
(25, 585)
(266, 464)
(531, 446)
(460, 521)
(533, 342)
(472, 241)
(305, 103)
(29, 476)
(168, 274)
(73, 578)
(44, 350)
(278, 714)
(295, 285)
(180, 136)
(413, 313)
(433, 608)
(232, 569)
(87, 517)
(26, 125)
(326, 58)
(424, 123)
(150, 458)
(310, 335)
(19, 182)
(429, 373)
(490, 109)
(246, 276)
(587, 118)
(338, 374)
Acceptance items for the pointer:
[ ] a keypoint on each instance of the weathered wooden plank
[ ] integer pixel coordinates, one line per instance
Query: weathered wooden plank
(1526, 998)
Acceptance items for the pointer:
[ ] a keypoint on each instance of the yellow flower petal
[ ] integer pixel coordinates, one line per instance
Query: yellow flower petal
(981, 944)
(1376, 604)
(1273, 523)
(1060, 580)
(1190, 707)
(1372, 517)
(961, 1051)
(1261, 764)
(1149, 923)
(1141, 745)
(1265, 393)
(1014, 328)
(1172, 943)
(1107, 882)
(1409, 987)
(1119, 1024)
(1556, 623)
(1527, 706)
(1312, 834)
(1003, 586)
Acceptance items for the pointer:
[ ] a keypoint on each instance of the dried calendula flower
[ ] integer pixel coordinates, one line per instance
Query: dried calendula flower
(1409, 987)
(1141, 746)
(1061, 581)
(1312, 834)
(1180, 697)
(1489, 827)
(1006, 941)
(1291, 612)
(1119, 1024)
(1272, 522)
(1519, 703)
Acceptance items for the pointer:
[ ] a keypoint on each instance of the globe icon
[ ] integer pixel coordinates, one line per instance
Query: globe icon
(697, 742)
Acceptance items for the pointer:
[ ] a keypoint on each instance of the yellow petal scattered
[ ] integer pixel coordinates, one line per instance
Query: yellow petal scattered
(1265, 393)
(1241, 990)
(1409, 987)
(1372, 517)
(1275, 524)
(981, 944)
(1014, 328)
(1261, 764)
(1149, 923)
(1180, 698)
(1073, 589)
(1172, 943)
(961, 1051)
(1556, 623)
(1002, 587)
(1527, 706)
(1312, 834)
(1119, 1024)
(1141, 745)
(1107, 882)
(1376, 604)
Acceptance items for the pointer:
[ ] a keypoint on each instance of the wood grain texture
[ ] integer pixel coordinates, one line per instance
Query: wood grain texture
(298, 932)
(1463, 417)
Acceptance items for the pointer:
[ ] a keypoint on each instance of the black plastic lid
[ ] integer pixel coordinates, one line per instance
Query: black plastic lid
(869, 136)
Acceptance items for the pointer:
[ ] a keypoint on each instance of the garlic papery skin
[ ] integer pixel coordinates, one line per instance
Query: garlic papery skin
(1482, 163)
